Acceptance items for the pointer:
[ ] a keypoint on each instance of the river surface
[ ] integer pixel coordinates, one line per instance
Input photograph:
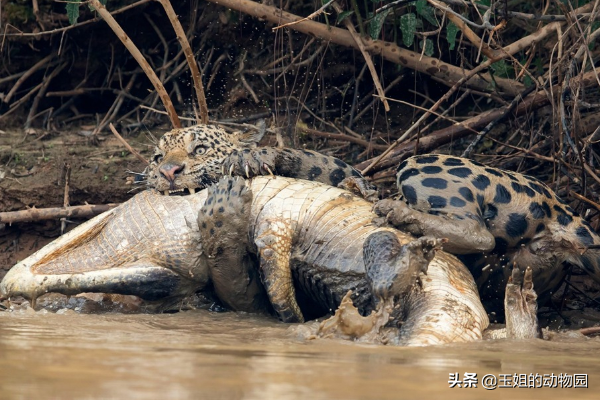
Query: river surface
(204, 355)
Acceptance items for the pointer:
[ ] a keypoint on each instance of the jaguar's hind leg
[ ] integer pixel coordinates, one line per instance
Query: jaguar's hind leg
(361, 187)
(224, 223)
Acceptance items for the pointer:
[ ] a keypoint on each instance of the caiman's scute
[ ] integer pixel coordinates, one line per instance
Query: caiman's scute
(139, 246)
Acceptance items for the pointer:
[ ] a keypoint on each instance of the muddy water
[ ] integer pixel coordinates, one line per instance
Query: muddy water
(198, 354)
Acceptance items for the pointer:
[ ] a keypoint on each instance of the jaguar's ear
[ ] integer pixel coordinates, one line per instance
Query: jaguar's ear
(252, 136)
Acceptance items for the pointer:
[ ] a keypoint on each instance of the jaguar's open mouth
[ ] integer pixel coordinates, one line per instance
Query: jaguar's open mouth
(179, 192)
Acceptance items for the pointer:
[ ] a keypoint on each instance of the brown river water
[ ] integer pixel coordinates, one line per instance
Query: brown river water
(204, 355)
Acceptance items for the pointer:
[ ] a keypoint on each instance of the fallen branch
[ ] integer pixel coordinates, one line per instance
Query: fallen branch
(40, 214)
(452, 133)
(26, 75)
(446, 73)
(40, 94)
(505, 112)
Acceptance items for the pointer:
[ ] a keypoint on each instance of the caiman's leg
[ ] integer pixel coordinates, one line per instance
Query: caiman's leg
(224, 223)
(393, 268)
(291, 163)
(465, 236)
(273, 239)
(520, 305)
(361, 187)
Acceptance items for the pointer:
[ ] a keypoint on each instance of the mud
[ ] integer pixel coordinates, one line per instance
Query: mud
(32, 175)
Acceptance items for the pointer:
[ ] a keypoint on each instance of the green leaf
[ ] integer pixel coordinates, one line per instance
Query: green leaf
(408, 27)
(426, 12)
(502, 69)
(377, 23)
(343, 15)
(73, 11)
(451, 32)
(428, 47)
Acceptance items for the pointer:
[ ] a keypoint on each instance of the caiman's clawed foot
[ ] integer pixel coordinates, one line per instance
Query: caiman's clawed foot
(224, 222)
(392, 268)
(347, 323)
(520, 305)
(360, 187)
(398, 214)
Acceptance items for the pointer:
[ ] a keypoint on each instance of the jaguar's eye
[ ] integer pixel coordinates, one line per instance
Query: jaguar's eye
(158, 158)
(199, 150)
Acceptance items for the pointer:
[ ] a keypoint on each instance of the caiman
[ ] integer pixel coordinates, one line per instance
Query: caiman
(152, 247)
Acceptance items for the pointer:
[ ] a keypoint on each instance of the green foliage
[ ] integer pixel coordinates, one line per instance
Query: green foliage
(376, 23)
(73, 11)
(426, 12)
(343, 15)
(428, 43)
(502, 69)
(451, 32)
(408, 27)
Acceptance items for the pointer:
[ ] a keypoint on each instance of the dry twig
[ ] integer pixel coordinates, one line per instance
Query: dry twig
(191, 60)
(131, 149)
(40, 214)
(135, 52)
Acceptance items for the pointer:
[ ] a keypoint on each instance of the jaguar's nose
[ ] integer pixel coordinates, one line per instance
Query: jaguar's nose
(170, 171)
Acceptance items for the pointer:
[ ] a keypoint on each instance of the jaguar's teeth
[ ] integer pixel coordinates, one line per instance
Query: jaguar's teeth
(192, 190)
(166, 192)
